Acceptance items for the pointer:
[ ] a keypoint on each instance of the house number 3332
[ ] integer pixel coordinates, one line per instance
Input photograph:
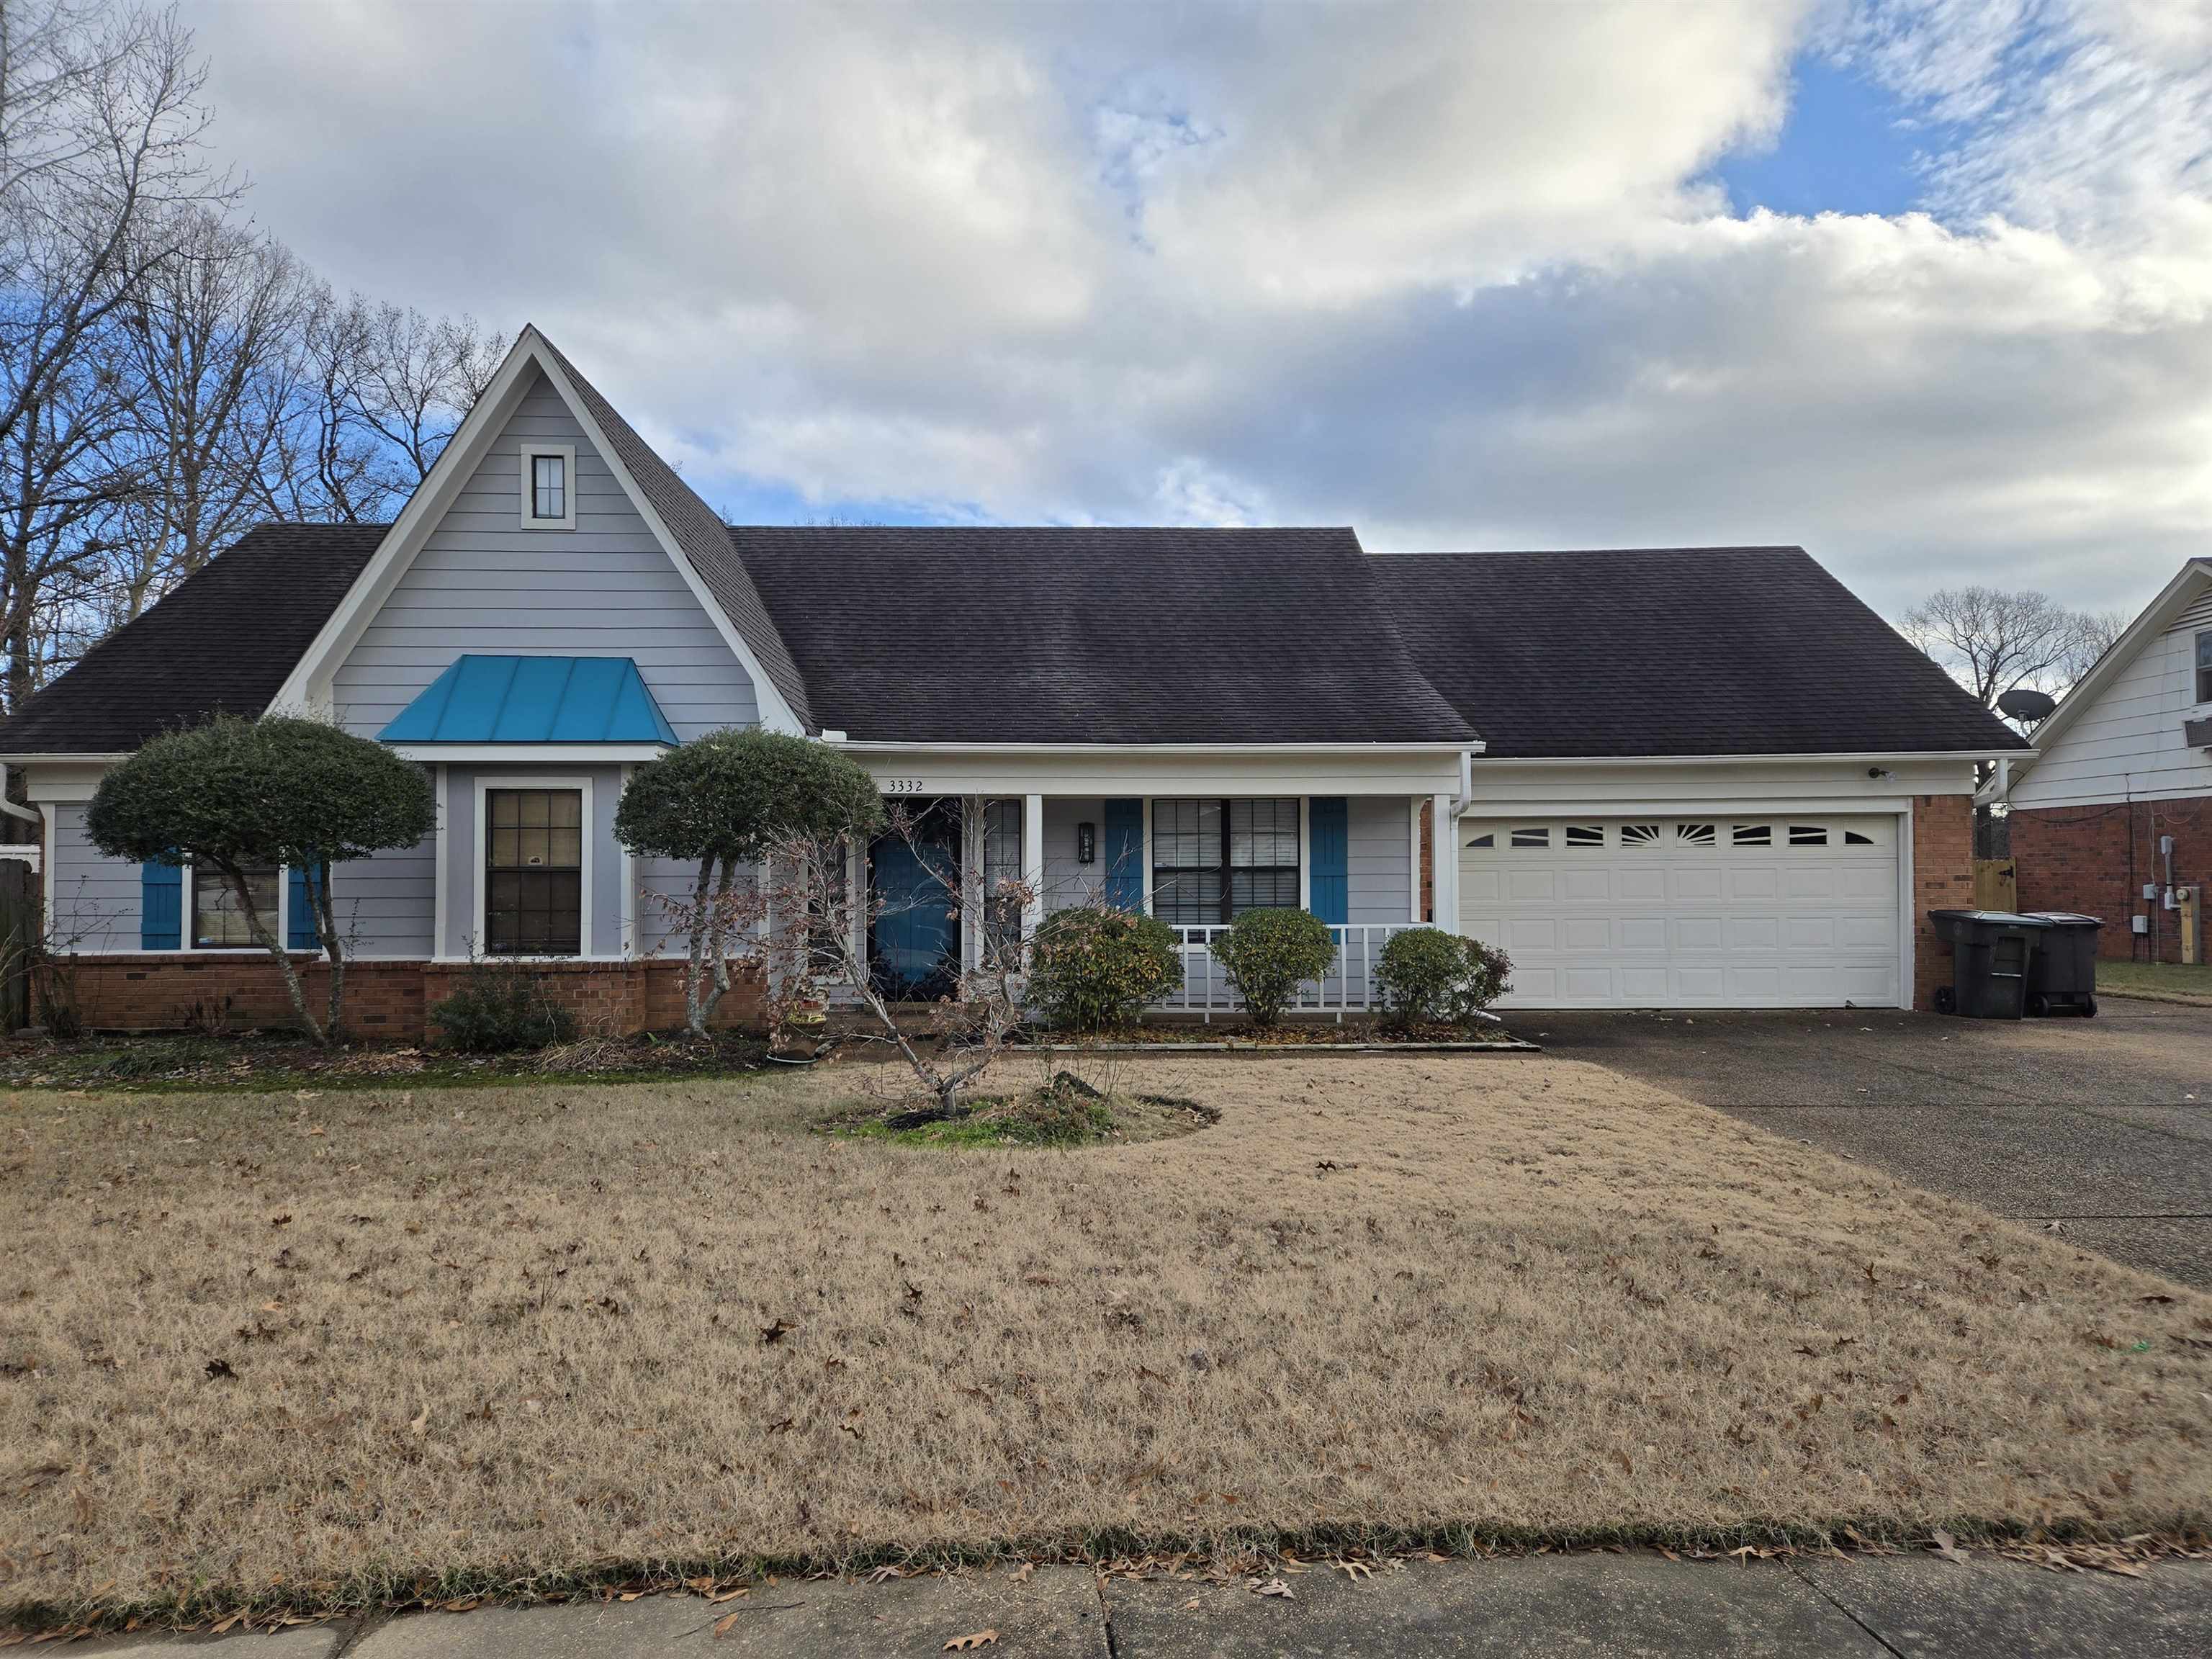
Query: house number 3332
(902, 785)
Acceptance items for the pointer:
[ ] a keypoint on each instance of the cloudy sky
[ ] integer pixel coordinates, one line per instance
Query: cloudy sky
(1925, 287)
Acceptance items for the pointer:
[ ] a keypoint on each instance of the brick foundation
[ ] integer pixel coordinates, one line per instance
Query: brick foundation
(2096, 859)
(1942, 879)
(385, 1001)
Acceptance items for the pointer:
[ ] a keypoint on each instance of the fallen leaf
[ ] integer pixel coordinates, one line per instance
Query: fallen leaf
(725, 1625)
(1947, 1547)
(1274, 1587)
(982, 1638)
(775, 1332)
(420, 1420)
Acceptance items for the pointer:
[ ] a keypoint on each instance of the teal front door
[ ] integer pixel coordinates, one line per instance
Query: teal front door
(914, 934)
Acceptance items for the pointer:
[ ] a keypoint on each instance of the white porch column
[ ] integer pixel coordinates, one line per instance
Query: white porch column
(1443, 853)
(1033, 862)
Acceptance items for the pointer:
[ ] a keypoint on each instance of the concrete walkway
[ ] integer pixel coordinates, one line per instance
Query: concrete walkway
(1584, 1605)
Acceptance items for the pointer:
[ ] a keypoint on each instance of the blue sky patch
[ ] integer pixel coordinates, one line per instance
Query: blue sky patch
(1847, 147)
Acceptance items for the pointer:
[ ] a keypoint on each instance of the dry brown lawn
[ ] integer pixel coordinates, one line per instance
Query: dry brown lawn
(363, 1343)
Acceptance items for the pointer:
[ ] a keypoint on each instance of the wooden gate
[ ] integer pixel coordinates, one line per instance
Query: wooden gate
(1996, 884)
(18, 941)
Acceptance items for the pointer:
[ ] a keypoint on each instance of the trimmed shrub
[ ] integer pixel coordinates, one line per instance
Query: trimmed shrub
(1417, 977)
(1267, 954)
(1489, 976)
(1094, 968)
(1429, 977)
(235, 794)
(501, 1007)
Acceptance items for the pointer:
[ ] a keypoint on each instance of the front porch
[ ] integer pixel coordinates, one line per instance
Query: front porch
(963, 875)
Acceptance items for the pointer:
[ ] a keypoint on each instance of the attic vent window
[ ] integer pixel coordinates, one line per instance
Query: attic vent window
(549, 493)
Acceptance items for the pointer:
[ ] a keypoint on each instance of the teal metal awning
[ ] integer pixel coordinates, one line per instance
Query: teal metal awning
(534, 700)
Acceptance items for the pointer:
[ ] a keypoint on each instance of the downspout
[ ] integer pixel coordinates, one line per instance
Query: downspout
(1467, 777)
(30, 816)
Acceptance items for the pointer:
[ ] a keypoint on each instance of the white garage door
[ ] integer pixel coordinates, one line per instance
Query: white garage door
(1687, 913)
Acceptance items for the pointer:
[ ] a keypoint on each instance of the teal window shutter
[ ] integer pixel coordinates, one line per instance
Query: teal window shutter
(1124, 853)
(299, 910)
(161, 906)
(1328, 821)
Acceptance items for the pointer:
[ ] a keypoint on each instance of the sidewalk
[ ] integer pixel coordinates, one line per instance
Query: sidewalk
(1612, 1605)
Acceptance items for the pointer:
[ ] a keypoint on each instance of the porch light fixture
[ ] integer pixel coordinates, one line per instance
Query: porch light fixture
(1086, 843)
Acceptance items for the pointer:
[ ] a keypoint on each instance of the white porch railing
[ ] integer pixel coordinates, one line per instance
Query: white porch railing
(1346, 987)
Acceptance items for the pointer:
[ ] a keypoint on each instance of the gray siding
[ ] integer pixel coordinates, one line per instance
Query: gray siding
(1378, 859)
(660, 879)
(481, 583)
(1065, 882)
(386, 903)
(95, 898)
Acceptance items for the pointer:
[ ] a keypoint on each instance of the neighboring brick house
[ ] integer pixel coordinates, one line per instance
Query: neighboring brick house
(1694, 777)
(2117, 797)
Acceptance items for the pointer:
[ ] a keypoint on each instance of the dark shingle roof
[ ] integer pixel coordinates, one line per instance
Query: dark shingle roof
(699, 532)
(1672, 651)
(1094, 635)
(222, 641)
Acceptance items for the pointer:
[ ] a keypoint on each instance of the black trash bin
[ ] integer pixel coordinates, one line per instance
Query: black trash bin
(1991, 954)
(2063, 972)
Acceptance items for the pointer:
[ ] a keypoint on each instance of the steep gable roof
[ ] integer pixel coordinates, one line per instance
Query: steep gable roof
(2188, 584)
(1094, 635)
(1674, 651)
(701, 537)
(222, 641)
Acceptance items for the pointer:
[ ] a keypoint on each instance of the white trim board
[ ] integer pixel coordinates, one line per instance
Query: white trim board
(485, 782)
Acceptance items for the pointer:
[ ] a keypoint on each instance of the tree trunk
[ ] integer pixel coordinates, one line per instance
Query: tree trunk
(326, 929)
(708, 979)
(235, 879)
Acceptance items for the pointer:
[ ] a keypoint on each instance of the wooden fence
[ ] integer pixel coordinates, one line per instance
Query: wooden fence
(18, 941)
(1996, 884)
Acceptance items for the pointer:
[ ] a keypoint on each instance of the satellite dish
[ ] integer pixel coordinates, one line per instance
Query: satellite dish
(2025, 705)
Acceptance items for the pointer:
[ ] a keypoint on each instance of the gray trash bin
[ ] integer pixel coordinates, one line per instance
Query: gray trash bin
(2063, 972)
(1991, 954)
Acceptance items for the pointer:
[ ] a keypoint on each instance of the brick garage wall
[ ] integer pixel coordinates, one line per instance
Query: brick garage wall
(385, 1001)
(2077, 858)
(1942, 879)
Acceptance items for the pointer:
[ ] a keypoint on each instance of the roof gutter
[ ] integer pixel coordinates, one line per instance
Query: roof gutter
(864, 746)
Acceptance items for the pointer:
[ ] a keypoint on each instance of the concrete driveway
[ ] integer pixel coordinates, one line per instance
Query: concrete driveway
(2102, 1124)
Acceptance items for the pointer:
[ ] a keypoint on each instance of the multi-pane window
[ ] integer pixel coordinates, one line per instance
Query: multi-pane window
(1212, 860)
(534, 873)
(2205, 667)
(1002, 875)
(549, 486)
(218, 919)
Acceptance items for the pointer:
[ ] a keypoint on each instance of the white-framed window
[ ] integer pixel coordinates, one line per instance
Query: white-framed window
(2205, 667)
(534, 871)
(549, 487)
(218, 920)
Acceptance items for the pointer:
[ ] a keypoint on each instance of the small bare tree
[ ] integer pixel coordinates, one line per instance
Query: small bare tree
(818, 915)
(1992, 641)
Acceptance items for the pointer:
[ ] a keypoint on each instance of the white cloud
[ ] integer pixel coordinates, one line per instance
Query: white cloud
(1444, 273)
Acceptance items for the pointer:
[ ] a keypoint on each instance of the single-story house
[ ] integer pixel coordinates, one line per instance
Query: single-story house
(1669, 778)
(2111, 812)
